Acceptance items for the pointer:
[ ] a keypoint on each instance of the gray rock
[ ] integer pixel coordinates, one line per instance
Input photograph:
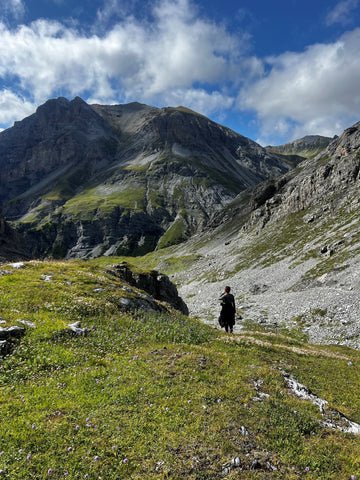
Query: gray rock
(46, 278)
(125, 301)
(27, 323)
(244, 431)
(333, 418)
(18, 265)
(77, 330)
(309, 218)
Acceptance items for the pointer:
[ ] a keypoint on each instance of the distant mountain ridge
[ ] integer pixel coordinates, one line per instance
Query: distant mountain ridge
(307, 147)
(298, 150)
(319, 183)
(326, 181)
(85, 180)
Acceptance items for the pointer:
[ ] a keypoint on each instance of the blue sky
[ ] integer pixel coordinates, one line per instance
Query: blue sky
(273, 71)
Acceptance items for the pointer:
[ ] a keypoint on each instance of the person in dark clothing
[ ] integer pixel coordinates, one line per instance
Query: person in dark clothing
(227, 314)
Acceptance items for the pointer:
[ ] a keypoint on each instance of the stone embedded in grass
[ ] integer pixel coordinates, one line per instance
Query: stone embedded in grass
(27, 323)
(18, 265)
(77, 330)
(244, 431)
(46, 278)
(125, 301)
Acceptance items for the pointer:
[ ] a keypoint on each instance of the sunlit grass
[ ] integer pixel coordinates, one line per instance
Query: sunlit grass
(148, 395)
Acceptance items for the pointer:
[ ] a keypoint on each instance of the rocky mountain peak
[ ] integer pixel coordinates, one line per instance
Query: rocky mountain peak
(347, 143)
(87, 180)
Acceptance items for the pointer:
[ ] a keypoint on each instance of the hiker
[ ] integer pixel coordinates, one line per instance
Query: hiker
(227, 314)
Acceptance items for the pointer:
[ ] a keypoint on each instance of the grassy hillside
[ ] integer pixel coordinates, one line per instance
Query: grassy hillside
(158, 395)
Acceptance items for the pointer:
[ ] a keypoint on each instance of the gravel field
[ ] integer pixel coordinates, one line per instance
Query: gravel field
(326, 309)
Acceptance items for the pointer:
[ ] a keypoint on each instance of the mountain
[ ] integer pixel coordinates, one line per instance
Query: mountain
(296, 151)
(83, 180)
(289, 248)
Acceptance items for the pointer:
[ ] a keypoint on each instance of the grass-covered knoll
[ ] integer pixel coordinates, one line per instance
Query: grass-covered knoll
(90, 200)
(167, 260)
(176, 233)
(147, 395)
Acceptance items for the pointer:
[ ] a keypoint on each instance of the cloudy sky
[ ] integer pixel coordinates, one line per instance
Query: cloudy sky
(271, 70)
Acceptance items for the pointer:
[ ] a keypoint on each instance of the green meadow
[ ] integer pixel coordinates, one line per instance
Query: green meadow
(148, 395)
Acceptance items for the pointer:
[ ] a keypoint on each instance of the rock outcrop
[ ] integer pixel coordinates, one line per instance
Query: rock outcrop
(319, 185)
(324, 183)
(155, 284)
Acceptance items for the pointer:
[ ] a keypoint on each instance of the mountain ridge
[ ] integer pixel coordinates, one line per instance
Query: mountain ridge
(306, 147)
(84, 181)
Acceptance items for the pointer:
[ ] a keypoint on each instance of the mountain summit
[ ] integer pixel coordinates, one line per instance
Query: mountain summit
(85, 180)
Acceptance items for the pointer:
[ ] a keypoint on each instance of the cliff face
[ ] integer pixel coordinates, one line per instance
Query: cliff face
(12, 245)
(83, 181)
(157, 285)
(322, 184)
(36, 152)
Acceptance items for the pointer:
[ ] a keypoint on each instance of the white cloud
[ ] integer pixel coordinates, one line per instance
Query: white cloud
(15, 8)
(342, 12)
(318, 88)
(11, 105)
(146, 61)
(113, 9)
(200, 100)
